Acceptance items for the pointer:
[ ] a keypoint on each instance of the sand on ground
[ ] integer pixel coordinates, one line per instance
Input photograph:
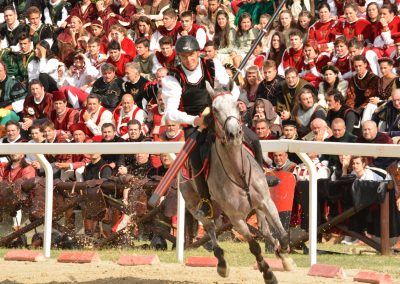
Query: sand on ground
(50, 271)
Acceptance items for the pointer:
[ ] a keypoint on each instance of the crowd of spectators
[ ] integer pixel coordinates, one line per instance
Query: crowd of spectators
(84, 71)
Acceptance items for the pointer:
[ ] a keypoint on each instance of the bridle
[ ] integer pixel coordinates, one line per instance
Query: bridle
(222, 127)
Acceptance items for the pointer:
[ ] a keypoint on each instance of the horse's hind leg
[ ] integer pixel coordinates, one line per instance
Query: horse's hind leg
(222, 266)
(255, 249)
(272, 215)
(266, 232)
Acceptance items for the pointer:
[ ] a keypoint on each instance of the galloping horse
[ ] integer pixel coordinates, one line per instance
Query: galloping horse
(238, 185)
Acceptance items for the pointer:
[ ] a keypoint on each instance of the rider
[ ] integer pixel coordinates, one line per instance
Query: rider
(185, 96)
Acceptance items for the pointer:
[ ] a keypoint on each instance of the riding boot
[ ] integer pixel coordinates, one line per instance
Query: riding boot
(272, 180)
(204, 208)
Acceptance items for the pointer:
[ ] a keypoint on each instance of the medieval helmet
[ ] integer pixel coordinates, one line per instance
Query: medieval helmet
(187, 44)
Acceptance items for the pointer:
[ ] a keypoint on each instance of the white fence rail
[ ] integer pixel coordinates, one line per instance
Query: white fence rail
(298, 147)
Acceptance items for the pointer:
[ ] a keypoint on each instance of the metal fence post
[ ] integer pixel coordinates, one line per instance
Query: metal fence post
(48, 205)
(180, 232)
(313, 199)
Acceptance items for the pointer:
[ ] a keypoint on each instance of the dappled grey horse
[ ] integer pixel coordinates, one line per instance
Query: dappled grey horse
(238, 185)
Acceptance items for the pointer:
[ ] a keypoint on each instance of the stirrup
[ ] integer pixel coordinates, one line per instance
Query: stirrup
(202, 202)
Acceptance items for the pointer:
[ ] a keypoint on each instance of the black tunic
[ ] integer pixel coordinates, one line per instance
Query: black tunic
(110, 93)
(195, 97)
(136, 90)
(97, 171)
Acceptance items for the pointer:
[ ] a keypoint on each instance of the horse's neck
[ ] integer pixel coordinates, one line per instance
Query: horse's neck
(231, 156)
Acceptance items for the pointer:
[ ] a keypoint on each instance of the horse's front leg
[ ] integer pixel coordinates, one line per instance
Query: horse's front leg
(255, 249)
(192, 198)
(222, 267)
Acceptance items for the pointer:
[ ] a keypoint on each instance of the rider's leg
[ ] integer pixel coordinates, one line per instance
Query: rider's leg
(253, 141)
(199, 179)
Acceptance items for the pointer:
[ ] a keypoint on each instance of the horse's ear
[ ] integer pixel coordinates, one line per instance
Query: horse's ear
(210, 89)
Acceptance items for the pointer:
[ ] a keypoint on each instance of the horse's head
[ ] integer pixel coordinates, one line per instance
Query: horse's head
(226, 114)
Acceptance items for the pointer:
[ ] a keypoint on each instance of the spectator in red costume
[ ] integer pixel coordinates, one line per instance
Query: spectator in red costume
(125, 13)
(61, 115)
(389, 29)
(85, 10)
(68, 39)
(357, 48)
(189, 28)
(313, 63)
(354, 27)
(119, 34)
(341, 58)
(155, 118)
(373, 16)
(80, 134)
(167, 56)
(37, 105)
(172, 132)
(111, 14)
(96, 29)
(117, 58)
(58, 161)
(294, 55)
(126, 112)
(94, 115)
(170, 28)
(322, 30)
(17, 169)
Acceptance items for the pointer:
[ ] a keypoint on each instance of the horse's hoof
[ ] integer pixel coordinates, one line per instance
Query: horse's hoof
(272, 280)
(288, 264)
(223, 269)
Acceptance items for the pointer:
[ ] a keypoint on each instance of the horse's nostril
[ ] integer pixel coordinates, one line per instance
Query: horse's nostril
(231, 136)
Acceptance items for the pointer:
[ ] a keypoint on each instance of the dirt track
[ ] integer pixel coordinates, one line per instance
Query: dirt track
(109, 272)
